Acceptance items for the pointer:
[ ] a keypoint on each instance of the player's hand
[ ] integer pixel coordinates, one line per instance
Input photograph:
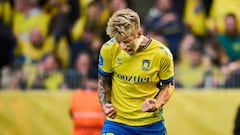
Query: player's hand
(149, 105)
(109, 110)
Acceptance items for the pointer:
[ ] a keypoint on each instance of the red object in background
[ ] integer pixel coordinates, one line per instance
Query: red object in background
(86, 113)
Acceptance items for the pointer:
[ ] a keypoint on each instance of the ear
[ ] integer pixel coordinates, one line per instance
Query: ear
(139, 33)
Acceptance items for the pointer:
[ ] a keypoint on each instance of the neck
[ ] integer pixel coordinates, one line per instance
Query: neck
(142, 42)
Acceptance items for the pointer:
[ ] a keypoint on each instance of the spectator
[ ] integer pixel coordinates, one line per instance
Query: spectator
(30, 52)
(194, 71)
(83, 75)
(111, 7)
(152, 32)
(214, 51)
(195, 9)
(230, 41)
(219, 9)
(60, 22)
(81, 45)
(7, 44)
(215, 57)
(84, 67)
(89, 22)
(94, 50)
(116, 5)
(46, 75)
(27, 16)
(188, 40)
(60, 48)
(168, 24)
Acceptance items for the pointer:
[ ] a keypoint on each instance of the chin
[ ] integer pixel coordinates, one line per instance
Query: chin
(131, 53)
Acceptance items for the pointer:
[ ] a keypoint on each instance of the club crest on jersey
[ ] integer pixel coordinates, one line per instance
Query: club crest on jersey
(119, 61)
(145, 65)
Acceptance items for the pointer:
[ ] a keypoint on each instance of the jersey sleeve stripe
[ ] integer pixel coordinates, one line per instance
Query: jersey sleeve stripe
(105, 74)
(168, 80)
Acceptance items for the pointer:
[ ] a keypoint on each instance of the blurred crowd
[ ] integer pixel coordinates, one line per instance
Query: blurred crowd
(54, 44)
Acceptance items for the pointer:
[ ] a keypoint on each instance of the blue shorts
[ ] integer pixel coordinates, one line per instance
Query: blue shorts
(115, 128)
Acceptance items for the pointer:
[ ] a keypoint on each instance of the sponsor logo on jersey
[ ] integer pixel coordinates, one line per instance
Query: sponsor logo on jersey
(133, 78)
(100, 61)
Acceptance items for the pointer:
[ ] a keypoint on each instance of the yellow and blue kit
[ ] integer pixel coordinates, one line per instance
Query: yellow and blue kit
(135, 78)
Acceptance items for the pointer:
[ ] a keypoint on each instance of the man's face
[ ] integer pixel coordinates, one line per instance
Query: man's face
(50, 63)
(129, 44)
(37, 38)
(231, 25)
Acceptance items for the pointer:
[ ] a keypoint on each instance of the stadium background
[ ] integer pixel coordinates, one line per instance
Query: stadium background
(192, 110)
(189, 112)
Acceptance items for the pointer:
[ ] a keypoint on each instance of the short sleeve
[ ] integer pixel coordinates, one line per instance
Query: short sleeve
(166, 68)
(105, 60)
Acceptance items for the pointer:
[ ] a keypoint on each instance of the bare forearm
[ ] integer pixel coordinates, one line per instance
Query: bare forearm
(165, 94)
(104, 89)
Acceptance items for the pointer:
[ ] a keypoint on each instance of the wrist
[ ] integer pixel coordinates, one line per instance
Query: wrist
(158, 105)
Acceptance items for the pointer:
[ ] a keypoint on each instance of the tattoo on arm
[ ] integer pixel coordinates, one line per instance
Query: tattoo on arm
(104, 89)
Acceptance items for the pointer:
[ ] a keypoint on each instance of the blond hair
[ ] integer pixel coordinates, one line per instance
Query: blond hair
(123, 23)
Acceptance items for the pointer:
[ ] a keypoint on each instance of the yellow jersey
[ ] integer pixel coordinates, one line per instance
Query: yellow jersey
(135, 78)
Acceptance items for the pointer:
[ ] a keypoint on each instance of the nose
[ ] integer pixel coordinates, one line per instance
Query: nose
(123, 46)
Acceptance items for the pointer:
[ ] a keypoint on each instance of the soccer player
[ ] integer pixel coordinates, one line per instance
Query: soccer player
(135, 78)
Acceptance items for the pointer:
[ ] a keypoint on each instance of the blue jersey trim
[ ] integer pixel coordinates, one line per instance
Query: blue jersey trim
(159, 86)
(168, 80)
(100, 71)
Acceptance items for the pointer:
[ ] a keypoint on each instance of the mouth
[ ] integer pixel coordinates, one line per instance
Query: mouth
(130, 51)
